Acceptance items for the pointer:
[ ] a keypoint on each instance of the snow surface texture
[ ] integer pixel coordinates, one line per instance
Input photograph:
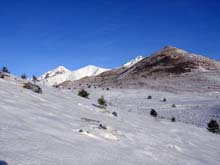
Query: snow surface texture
(59, 127)
(133, 61)
(62, 74)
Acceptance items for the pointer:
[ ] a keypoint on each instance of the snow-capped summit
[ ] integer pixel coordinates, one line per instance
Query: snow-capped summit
(61, 74)
(58, 71)
(55, 76)
(86, 71)
(133, 61)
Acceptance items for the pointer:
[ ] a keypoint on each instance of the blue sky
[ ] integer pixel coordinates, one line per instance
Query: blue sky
(39, 35)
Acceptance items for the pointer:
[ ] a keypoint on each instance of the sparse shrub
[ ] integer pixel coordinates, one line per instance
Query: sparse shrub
(153, 113)
(5, 69)
(102, 102)
(164, 99)
(23, 76)
(115, 114)
(33, 87)
(149, 97)
(107, 89)
(174, 106)
(173, 119)
(102, 126)
(81, 130)
(213, 126)
(56, 86)
(83, 93)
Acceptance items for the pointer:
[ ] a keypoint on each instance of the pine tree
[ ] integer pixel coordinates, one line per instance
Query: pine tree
(83, 93)
(101, 101)
(153, 113)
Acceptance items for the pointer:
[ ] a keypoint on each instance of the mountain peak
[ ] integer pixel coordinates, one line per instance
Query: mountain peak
(133, 61)
(52, 73)
(178, 53)
(173, 48)
(61, 74)
(87, 71)
(170, 47)
(62, 68)
(90, 66)
(174, 61)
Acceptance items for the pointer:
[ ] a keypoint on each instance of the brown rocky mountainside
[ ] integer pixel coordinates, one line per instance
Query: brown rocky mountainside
(170, 68)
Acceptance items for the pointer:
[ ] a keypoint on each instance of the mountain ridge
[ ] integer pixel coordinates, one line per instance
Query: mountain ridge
(133, 61)
(170, 68)
(62, 74)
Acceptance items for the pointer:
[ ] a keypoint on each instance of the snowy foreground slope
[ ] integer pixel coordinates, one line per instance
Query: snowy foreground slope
(44, 129)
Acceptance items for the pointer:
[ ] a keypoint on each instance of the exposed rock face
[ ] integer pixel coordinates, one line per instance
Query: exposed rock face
(172, 61)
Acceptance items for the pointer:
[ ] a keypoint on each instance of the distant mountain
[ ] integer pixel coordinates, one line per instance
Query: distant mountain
(61, 74)
(58, 71)
(170, 68)
(55, 76)
(171, 61)
(133, 61)
(86, 71)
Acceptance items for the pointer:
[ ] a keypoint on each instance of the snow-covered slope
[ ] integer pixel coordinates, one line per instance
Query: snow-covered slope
(89, 70)
(133, 61)
(62, 74)
(58, 71)
(44, 129)
(55, 76)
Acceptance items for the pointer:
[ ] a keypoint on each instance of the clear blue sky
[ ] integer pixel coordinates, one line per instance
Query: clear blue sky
(38, 35)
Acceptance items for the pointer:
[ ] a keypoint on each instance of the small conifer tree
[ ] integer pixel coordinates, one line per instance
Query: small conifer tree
(213, 126)
(83, 93)
(102, 102)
